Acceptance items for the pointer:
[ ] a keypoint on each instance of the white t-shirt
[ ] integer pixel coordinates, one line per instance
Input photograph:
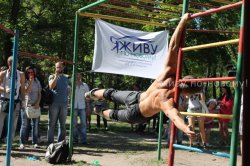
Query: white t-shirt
(6, 84)
(194, 101)
(80, 95)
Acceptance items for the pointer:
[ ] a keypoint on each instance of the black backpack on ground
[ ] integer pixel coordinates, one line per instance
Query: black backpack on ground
(57, 153)
(47, 96)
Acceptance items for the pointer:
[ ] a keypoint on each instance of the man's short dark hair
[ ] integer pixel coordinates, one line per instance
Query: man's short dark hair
(190, 87)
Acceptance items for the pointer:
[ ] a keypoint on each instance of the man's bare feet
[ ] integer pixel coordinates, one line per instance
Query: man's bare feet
(90, 95)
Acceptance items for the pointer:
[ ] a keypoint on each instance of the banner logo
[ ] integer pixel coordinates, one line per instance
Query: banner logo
(120, 50)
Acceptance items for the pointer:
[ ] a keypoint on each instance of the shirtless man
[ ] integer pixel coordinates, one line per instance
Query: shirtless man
(140, 106)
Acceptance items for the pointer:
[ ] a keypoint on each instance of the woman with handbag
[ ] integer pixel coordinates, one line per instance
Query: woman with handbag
(31, 112)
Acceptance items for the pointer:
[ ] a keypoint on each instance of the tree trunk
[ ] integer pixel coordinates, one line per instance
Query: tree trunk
(8, 45)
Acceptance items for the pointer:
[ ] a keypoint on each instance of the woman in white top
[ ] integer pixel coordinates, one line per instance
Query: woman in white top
(194, 106)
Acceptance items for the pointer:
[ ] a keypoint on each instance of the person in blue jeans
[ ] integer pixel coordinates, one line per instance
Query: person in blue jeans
(58, 82)
(81, 106)
(101, 105)
(33, 97)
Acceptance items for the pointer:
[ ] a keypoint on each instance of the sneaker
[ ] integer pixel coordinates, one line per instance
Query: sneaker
(191, 145)
(21, 146)
(204, 146)
(90, 95)
(35, 146)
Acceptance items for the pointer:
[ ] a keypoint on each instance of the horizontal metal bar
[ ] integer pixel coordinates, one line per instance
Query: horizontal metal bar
(216, 10)
(183, 147)
(169, 5)
(222, 1)
(91, 5)
(143, 6)
(136, 10)
(202, 5)
(126, 14)
(208, 79)
(6, 30)
(210, 45)
(26, 54)
(223, 116)
(212, 31)
(93, 15)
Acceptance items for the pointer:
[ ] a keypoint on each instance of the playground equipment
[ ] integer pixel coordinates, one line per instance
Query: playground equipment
(166, 13)
(27, 54)
(221, 154)
(246, 90)
(182, 49)
(12, 85)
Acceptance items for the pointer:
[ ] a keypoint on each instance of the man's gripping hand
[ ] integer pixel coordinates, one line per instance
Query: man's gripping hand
(190, 133)
(186, 17)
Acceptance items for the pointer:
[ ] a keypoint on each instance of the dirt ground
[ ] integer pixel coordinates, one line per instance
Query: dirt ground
(117, 147)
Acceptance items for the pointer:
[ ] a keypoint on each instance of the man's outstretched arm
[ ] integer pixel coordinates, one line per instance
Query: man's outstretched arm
(173, 114)
(174, 43)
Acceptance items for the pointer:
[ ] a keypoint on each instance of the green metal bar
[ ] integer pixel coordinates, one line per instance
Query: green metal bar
(73, 85)
(246, 88)
(174, 19)
(12, 95)
(185, 7)
(160, 136)
(74, 72)
(91, 5)
(237, 97)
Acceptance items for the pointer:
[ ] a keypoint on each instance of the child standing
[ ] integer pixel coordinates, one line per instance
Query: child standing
(209, 122)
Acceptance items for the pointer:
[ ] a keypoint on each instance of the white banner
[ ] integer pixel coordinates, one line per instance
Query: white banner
(126, 51)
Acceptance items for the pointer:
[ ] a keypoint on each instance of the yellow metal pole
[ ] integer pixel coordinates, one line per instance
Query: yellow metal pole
(210, 45)
(208, 115)
(223, 1)
(93, 15)
(169, 5)
(163, 15)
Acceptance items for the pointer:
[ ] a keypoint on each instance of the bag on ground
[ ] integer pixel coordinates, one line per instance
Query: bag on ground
(57, 153)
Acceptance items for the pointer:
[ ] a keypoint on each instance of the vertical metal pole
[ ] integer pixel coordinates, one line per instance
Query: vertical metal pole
(176, 96)
(185, 6)
(73, 85)
(160, 135)
(12, 95)
(246, 90)
(237, 97)
(74, 71)
(72, 103)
